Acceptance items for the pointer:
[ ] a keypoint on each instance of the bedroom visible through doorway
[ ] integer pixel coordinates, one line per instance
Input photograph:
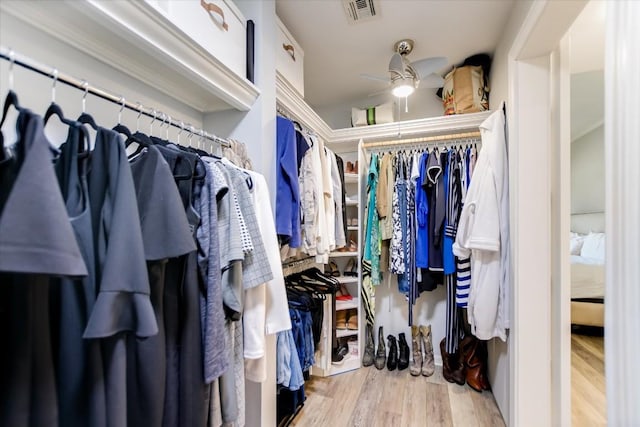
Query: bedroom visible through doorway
(587, 241)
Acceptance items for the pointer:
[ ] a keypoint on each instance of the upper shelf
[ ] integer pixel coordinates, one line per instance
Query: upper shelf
(346, 140)
(140, 40)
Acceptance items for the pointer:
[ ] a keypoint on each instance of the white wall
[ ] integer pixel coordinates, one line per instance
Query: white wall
(587, 172)
(423, 103)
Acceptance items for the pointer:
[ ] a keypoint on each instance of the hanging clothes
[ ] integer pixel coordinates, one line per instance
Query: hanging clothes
(483, 234)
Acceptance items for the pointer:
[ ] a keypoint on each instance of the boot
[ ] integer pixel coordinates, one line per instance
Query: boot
(416, 345)
(458, 370)
(403, 347)
(369, 347)
(381, 354)
(428, 364)
(392, 360)
(451, 366)
(475, 361)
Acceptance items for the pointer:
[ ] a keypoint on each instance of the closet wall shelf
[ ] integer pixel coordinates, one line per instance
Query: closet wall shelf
(140, 41)
(347, 305)
(337, 254)
(341, 333)
(351, 178)
(346, 279)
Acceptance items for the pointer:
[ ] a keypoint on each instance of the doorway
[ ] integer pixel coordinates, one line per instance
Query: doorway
(587, 216)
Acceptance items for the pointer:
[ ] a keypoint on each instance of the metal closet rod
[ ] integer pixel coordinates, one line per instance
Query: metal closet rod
(443, 139)
(83, 85)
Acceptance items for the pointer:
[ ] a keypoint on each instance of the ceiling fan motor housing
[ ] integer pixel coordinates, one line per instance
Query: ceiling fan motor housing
(403, 47)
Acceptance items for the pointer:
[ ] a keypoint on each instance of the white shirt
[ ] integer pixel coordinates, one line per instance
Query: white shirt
(266, 308)
(483, 234)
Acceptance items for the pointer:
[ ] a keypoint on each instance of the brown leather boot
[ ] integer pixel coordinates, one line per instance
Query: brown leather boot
(452, 365)
(416, 344)
(428, 364)
(475, 360)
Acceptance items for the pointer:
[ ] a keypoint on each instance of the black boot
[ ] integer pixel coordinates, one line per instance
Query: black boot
(381, 354)
(403, 360)
(392, 360)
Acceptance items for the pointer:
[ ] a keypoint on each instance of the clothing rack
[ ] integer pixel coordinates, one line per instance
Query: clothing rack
(283, 112)
(297, 266)
(51, 72)
(438, 140)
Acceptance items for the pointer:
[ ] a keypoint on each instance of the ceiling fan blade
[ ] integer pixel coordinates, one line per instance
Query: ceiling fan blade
(431, 81)
(380, 92)
(426, 66)
(396, 64)
(376, 78)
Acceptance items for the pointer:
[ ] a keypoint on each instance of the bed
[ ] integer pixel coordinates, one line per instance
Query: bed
(587, 269)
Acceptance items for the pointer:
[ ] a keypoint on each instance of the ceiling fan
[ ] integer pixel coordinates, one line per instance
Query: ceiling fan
(405, 77)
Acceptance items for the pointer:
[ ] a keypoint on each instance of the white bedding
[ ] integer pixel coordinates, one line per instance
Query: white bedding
(587, 277)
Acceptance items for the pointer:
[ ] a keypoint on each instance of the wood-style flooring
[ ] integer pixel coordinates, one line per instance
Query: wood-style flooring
(368, 397)
(588, 399)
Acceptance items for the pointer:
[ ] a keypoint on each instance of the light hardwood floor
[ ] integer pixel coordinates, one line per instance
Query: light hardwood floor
(588, 399)
(368, 397)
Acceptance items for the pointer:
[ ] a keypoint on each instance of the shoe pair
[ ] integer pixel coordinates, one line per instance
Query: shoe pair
(401, 360)
(347, 319)
(352, 167)
(422, 350)
(352, 268)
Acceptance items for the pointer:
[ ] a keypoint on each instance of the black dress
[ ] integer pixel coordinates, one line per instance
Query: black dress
(36, 242)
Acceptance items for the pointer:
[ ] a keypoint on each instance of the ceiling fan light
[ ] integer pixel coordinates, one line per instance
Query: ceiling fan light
(402, 88)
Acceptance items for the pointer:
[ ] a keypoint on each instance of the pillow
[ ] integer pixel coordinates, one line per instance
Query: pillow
(593, 246)
(575, 243)
(372, 116)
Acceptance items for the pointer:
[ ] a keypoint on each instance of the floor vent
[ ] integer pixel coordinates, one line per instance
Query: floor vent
(360, 10)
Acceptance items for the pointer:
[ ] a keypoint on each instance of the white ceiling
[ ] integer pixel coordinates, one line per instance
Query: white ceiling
(336, 52)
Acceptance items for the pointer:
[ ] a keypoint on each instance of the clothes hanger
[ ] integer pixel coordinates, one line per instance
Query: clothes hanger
(120, 128)
(84, 117)
(55, 109)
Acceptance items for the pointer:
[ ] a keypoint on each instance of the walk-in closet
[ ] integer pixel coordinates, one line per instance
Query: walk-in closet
(265, 213)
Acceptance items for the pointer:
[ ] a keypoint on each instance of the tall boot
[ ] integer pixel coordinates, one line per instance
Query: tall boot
(403, 347)
(369, 347)
(446, 363)
(392, 360)
(474, 357)
(428, 364)
(381, 354)
(416, 345)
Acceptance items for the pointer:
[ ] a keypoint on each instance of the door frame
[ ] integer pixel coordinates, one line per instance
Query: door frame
(539, 161)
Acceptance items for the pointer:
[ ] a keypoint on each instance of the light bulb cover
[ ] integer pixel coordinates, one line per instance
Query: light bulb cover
(402, 88)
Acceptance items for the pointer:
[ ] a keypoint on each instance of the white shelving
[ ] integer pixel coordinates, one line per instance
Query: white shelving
(337, 254)
(341, 333)
(347, 304)
(347, 279)
(351, 178)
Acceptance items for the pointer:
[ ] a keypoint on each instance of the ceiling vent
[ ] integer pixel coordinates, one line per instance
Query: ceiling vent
(360, 10)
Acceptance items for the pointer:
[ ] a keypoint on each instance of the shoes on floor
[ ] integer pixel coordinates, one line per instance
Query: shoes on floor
(403, 352)
(381, 353)
(416, 351)
(369, 347)
(392, 359)
(452, 366)
(428, 363)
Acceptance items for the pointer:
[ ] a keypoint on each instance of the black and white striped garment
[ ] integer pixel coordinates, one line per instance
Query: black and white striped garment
(452, 216)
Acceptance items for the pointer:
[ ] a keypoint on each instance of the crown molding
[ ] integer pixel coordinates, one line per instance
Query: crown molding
(346, 140)
(139, 41)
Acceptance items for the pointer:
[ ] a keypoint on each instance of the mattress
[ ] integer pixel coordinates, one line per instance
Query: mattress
(587, 278)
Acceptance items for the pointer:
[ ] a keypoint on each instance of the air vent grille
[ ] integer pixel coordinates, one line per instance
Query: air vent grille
(360, 10)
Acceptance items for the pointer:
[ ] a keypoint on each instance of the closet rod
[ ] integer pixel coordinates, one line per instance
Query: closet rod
(437, 138)
(83, 85)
